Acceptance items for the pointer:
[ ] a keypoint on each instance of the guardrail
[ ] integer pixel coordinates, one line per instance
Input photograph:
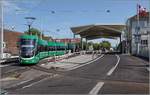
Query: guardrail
(10, 59)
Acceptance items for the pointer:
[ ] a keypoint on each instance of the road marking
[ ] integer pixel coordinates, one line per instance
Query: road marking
(113, 68)
(148, 68)
(35, 83)
(20, 83)
(97, 88)
(85, 64)
(24, 82)
(1, 66)
(7, 79)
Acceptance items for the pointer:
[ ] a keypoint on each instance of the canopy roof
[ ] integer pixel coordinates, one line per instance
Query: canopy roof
(99, 31)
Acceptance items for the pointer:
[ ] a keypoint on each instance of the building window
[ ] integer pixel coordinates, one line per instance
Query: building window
(144, 42)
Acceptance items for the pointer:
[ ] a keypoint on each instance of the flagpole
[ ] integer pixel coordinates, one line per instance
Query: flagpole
(137, 31)
(138, 15)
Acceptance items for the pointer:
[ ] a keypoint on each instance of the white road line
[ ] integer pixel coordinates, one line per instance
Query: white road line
(148, 68)
(35, 83)
(97, 88)
(113, 68)
(24, 82)
(1, 66)
(7, 79)
(21, 83)
(85, 64)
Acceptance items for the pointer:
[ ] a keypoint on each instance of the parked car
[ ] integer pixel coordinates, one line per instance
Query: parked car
(6, 55)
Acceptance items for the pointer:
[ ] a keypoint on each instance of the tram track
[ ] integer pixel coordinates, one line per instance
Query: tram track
(69, 75)
(43, 77)
(16, 69)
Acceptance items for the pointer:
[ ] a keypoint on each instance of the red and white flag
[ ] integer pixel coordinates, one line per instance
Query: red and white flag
(141, 11)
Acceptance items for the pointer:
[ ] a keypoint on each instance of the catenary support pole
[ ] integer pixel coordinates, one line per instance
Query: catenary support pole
(74, 43)
(1, 33)
(149, 33)
(120, 45)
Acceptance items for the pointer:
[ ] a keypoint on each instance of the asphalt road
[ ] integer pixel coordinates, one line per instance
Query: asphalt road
(8, 69)
(107, 75)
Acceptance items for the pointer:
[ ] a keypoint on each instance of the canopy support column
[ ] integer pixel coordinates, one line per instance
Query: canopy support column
(120, 45)
(74, 35)
(81, 43)
(86, 44)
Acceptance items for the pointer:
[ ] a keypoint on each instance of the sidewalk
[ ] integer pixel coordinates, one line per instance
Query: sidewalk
(65, 64)
(140, 61)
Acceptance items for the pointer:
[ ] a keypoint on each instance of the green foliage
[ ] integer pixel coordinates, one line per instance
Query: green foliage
(34, 31)
(96, 46)
(105, 44)
(37, 32)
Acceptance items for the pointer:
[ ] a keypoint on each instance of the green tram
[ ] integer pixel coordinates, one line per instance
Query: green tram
(33, 49)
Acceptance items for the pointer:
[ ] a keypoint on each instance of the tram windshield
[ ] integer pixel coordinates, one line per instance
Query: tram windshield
(27, 48)
(27, 41)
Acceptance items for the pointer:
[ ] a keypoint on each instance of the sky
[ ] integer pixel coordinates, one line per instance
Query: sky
(54, 15)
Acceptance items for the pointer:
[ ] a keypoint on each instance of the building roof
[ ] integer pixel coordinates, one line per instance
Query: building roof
(99, 31)
(11, 36)
(146, 17)
(11, 39)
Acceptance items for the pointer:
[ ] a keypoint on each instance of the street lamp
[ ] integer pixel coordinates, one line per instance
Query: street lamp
(29, 22)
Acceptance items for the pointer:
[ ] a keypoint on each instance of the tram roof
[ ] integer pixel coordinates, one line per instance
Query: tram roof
(42, 42)
(56, 44)
(99, 31)
(25, 36)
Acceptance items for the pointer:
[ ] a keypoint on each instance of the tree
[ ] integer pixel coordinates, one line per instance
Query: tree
(105, 44)
(34, 31)
(37, 32)
(96, 46)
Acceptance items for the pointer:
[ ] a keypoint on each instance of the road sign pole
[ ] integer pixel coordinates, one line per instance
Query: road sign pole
(1, 39)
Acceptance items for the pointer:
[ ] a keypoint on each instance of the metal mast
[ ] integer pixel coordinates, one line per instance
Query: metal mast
(1, 33)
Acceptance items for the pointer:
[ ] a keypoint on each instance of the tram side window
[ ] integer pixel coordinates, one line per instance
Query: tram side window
(50, 48)
(61, 47)
(53, 48)
(38, 48)
(46, 48)
(41, 48)
(58, 48)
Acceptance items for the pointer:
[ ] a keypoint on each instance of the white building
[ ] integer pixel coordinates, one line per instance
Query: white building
(137, 35)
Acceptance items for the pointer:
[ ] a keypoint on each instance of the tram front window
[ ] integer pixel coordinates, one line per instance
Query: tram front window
(27, 41)
(27, 48)
(27, 52)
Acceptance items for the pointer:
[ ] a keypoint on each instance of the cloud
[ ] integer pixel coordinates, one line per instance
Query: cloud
(10, 6)
(20, 6)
